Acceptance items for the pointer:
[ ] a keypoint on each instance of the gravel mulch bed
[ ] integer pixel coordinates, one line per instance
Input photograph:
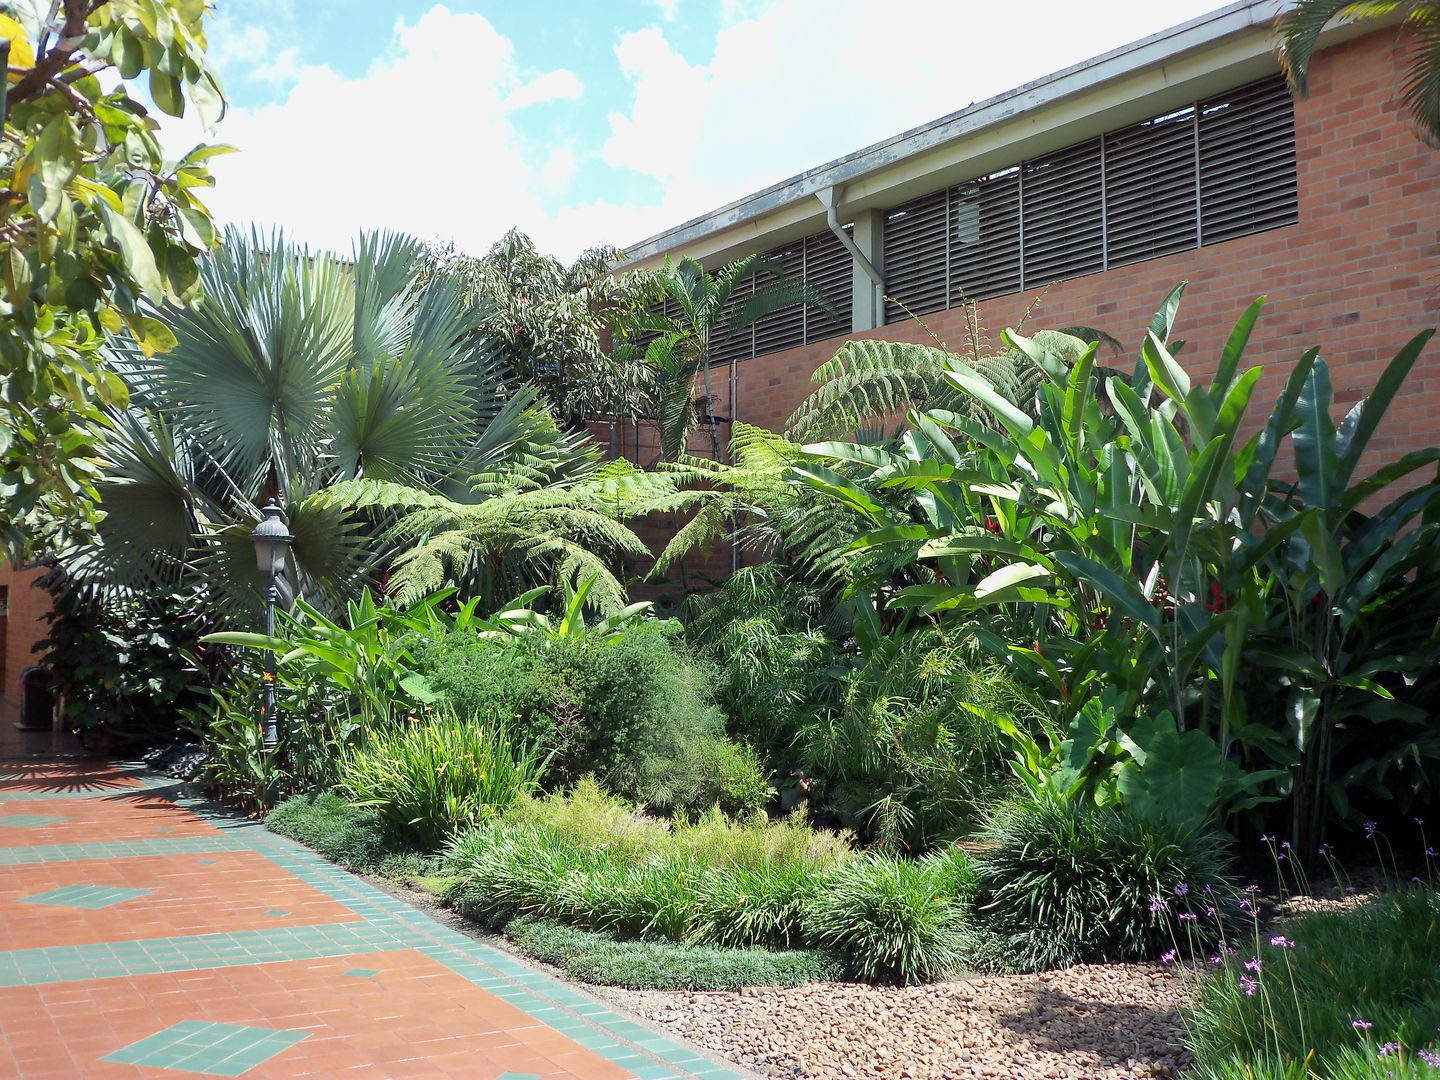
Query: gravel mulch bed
(1112, 1022)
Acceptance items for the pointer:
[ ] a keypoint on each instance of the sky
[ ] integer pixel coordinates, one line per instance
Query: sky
(594, 121)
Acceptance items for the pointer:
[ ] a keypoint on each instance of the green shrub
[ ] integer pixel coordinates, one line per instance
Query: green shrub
(1378, 963)
(642, 703)
(357, 839)
(608, 960)
(889, 920)
(590, 818)
(709, 771)
(1065, 884)
(498, 684)
(430, 778)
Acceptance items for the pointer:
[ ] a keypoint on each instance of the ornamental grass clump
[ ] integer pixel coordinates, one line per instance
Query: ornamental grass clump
(429, 778)
(1354, 993)
(1067, 883)
(889, 920)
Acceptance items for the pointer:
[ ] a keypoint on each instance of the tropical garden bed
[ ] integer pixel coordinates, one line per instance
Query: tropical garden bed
(973, 765)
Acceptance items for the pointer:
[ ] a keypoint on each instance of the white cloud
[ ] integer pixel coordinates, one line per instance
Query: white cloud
(669, 9)
(424, 142)
(434, 138)
(796, 83)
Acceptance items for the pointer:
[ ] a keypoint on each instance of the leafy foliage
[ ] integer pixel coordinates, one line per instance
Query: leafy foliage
(95, 225)
(549, 322)
(126, 666)
(680, 350)
(1131, 541)
(1300, 29)
(429, 778)
(297, 374)
(1063, 884)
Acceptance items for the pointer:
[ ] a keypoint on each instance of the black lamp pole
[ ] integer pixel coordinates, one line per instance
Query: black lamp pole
(271, 539)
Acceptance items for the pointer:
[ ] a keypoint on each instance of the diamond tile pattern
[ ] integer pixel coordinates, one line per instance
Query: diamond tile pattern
(208, 1049)
(90, 897)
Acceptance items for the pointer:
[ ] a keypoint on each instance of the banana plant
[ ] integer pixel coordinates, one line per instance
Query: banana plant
(366, 659)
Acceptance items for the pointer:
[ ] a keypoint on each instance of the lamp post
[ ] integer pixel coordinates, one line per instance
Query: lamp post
(272, 540)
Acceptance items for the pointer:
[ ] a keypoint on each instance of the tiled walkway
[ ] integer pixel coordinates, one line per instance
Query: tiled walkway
(145, 935)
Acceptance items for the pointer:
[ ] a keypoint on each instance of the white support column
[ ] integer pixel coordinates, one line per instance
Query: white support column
(867, 301)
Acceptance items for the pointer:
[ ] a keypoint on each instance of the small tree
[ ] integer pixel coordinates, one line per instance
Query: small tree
(94, 223)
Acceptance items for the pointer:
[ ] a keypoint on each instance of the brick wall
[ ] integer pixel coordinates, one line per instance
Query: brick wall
(1358, 275)
(24, 626)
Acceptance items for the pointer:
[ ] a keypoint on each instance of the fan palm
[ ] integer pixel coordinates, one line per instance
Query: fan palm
(297, 373)
(1300, 29)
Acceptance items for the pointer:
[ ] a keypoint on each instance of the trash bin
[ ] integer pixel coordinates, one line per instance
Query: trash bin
(37, 700)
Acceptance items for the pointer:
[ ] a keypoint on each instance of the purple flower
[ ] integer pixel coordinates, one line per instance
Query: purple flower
(1370, 830)
(1429, 1057)
(1430, 851)
(1282, 857)
(1285, 844)
(1361, 1025)
(1248, 985)
(1266, 839)
(1216, 960)
(1420, 821)
(1326, 849)
(1206, 890)
(1158, 905)
(1181, 889)
(1188, 916)
(1280, 941)
(1389, 1048)
(1254, 964)
(1209, 912)
(1168, 957)
(1246, 904)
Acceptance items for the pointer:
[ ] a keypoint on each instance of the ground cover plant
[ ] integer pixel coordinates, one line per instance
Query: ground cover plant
(357, 839)
(610, 960)
(1334, 993)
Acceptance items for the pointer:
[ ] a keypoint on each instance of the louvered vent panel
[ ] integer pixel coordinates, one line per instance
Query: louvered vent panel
(785, 328)
(1062, 215)
(740, 345)
(1150, 189)
(1247, 161)
(915, 256)
(985, 237)
(830, 269)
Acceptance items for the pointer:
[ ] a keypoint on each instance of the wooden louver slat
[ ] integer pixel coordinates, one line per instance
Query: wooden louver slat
(917, 256)
(1247, 161)
(1063, 215)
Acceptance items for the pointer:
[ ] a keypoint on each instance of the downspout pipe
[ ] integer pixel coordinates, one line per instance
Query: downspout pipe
(830, 198)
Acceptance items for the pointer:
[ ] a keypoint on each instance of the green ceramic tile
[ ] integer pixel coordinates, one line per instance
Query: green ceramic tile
(196, 1046)
(90, 897)
(361, 973)
(28, 821)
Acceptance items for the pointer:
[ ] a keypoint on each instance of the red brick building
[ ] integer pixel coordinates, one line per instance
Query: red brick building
(1180, 157)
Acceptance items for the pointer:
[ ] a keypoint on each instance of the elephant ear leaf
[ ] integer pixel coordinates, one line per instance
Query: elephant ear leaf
(1180, 779)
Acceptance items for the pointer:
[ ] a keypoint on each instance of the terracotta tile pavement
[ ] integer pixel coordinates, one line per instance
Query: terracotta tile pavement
(142, 816)
(188, 894)
(170, 972)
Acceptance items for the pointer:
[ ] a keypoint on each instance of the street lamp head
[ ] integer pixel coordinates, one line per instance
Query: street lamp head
(272, 540)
